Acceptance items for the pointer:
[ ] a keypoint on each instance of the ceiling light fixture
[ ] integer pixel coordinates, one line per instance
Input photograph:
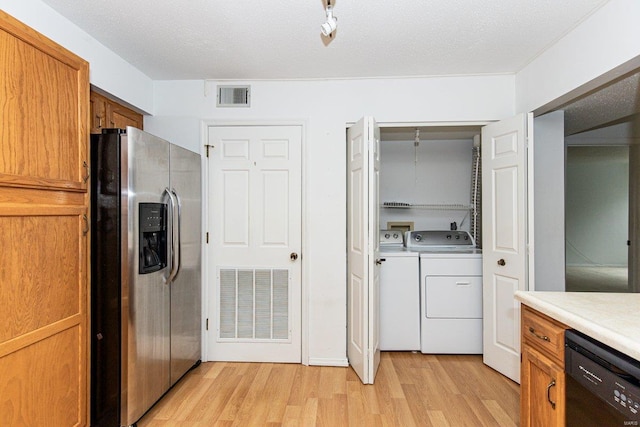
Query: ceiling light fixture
(330, 25)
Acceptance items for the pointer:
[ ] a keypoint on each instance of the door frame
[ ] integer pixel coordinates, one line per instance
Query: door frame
(209, 274)
(528, 188)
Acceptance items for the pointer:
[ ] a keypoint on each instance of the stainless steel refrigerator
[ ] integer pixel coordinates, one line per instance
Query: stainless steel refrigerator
(145, 271)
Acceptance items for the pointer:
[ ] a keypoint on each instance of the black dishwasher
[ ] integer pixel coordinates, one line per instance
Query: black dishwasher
(602, 384)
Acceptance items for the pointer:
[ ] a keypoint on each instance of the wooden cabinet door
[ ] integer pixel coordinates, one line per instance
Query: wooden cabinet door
(120, 117)
(43, 113)
(98, 115)
(44, 100)
(106, 113)
(43, 295)
(542, 390)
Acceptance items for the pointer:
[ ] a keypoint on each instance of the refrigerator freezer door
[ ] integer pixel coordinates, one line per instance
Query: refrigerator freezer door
(145, 297)
(186, 322)
(105, 279)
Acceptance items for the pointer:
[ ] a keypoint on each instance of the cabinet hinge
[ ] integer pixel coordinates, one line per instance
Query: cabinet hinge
(207, 325)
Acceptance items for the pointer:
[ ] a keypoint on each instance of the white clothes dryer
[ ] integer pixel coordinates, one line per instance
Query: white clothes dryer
(451, 291)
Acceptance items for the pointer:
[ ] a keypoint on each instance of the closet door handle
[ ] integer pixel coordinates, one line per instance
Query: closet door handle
(501, 262)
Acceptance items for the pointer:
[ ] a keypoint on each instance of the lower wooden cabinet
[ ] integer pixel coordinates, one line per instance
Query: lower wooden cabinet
(44, 298)
(541, 390)
(542, 377)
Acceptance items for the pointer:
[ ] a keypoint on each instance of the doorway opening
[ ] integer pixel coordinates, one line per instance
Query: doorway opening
(602, 205)
(597, 218)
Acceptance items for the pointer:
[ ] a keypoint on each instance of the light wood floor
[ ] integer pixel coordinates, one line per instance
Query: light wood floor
(411, 389)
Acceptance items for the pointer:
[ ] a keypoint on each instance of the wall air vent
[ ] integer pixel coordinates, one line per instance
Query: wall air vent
(234, 96)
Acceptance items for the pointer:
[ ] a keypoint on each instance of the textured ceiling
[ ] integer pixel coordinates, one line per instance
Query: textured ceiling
(250, 39)
(616, 103)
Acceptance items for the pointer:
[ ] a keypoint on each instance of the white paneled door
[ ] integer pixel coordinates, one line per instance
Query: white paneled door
(363, 283)
(253, 255)
(504, 250)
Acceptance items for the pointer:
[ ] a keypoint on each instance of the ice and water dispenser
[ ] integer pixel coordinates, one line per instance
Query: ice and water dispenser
(153, 237)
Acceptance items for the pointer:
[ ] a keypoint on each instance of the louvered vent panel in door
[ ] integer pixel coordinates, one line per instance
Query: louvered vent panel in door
(280, 304)
(245, 304)
(254, 304)
(263, 304)
(227, 303)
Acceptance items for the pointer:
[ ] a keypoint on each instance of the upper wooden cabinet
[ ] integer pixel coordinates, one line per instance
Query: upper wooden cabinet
(44, 230)
(43, 136)
(106, 113)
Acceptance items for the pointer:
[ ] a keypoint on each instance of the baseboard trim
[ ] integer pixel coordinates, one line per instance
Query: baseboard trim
(316, 361)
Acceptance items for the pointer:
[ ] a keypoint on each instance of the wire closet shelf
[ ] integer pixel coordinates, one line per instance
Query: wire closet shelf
(433, 206)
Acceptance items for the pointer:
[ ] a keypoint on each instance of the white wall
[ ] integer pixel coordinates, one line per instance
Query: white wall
(325, 108)
(607, 40)
(597, 205)
(549, 189)
(108, 71)
(441, 175)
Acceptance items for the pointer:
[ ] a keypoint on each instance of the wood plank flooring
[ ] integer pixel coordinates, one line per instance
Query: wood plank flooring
(411, 389)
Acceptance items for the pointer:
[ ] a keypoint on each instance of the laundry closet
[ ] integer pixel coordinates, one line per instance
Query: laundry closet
(430, 239)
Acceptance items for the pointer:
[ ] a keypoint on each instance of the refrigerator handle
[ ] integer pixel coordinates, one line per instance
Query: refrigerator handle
(177, 225)
(173, 270)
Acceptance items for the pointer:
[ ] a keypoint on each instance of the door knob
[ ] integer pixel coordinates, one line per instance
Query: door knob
(501, 262)
(380, 261)
(293, 256)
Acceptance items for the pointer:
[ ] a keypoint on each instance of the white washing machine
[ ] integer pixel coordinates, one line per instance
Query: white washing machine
(399, 294)
(451, 291)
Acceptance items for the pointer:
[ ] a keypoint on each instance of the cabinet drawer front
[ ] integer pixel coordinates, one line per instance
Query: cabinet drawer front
(543, 333)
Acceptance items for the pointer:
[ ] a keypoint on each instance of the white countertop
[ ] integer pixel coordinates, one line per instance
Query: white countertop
(611, 318)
